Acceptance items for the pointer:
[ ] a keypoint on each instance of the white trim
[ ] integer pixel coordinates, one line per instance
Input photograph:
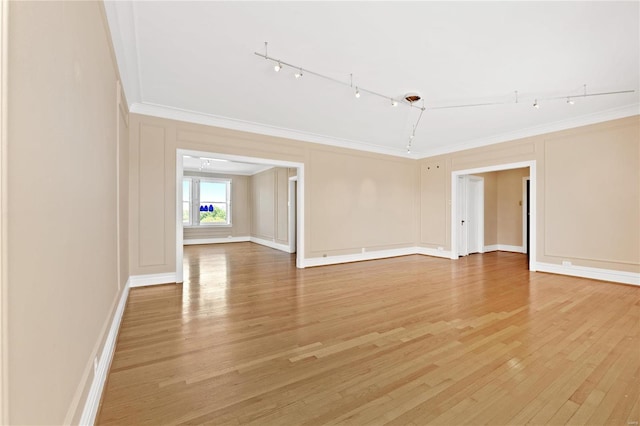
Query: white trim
(123, 26)
(240, 158)
(4, 281)
(583, 120)
(272, 244)
(179, 225)
(92, 402)
(171, 113)
(622, 277)
(525, 207)
(427, 251)
(163, 111)
(532, 195)
(152, 279)
(292, 212)
(358, 257)
(194, 241)
(504, 247)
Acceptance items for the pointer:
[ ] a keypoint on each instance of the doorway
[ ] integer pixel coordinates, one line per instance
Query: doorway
(299, 199)
(470, 213)
(457, 186)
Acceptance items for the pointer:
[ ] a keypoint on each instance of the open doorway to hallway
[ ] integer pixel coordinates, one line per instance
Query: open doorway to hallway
(223, 198)
(493, 209)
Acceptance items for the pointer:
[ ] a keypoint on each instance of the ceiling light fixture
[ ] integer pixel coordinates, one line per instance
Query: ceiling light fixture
(410, 99)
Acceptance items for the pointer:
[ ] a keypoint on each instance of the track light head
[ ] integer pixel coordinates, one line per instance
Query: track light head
(394, 103)
(277, 67)
(570, 101)
(536, 105)
(298, 74)
(357, 92)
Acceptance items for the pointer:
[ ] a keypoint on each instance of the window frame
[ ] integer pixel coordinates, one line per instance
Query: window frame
(195, 202)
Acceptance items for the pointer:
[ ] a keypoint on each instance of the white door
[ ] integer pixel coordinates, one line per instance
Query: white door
(471, 215)
(462, 216)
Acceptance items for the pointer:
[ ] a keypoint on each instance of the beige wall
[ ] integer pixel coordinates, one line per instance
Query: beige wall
(353, 200)
(268, 205)
(503, 203)
(62, 205)
(509, 206)
(240, 211)
(490, 207)
(588, 200)
(358, 200)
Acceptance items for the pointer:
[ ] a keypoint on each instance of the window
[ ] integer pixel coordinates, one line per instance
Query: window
(207, 203)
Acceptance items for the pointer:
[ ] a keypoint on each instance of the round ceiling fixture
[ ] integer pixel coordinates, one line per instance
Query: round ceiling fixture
(412, 97)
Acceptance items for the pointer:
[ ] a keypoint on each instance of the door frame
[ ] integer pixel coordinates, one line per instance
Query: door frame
(240, 158)
(293, 217)
(495, 168)
(4, 280)
(524, 213)
(463, 210)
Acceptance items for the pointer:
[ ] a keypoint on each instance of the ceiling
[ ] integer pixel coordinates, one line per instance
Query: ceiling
(215, 165)
(195, 61)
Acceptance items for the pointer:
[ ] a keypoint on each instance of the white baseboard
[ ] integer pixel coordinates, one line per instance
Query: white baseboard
(504, 247)
(104, 362)
(215, 240)
(272, 244)
(433, 252)
(622, 277)
(152, 279)
(358, 257)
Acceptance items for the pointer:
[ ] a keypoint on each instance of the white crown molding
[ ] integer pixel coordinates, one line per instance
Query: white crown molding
(196, 241)
(92, 402)
(152, 279)
(583, 120)
(121, 18)
(171, 113)
(621, 277)
(178, 114)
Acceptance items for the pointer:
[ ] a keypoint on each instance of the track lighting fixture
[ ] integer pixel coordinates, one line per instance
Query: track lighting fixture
(411, 99)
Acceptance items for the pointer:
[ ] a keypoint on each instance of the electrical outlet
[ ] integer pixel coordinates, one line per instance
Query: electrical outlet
(440, 248)
(566, 263)
(363, 249)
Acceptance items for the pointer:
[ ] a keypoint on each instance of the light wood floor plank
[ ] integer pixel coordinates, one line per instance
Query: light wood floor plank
(413, 340)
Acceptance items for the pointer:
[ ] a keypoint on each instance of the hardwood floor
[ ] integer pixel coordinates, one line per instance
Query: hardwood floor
(414, 340)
